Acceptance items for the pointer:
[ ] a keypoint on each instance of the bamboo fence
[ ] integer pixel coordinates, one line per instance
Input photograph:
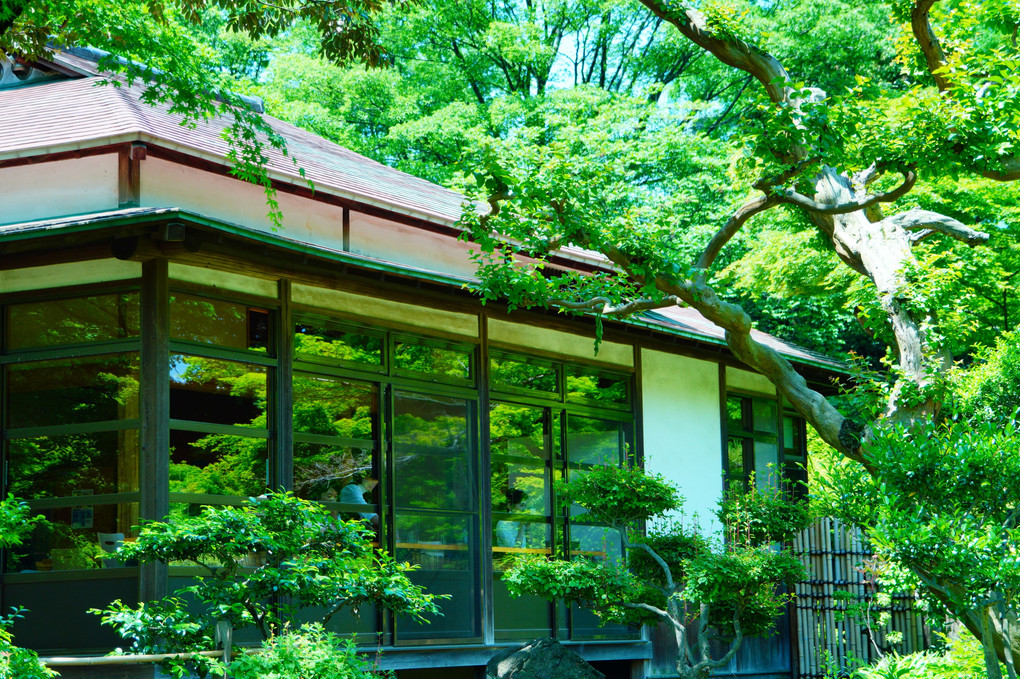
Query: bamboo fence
(837, 561)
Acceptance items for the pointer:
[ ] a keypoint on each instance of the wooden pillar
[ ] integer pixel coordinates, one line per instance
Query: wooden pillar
(283, 426)
(155, 413)
(485, 485)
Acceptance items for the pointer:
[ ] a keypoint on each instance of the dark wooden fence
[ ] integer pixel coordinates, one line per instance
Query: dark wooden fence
(837, 558)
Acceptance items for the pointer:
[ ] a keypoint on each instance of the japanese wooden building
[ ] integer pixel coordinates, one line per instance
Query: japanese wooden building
(164, 346)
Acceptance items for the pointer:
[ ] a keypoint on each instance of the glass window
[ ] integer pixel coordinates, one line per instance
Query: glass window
(436, 543)
(764, 416)
(77, 537)
(766, 464)
(73, 464)
(78, 320)
(594, 441)
(72, 391)
(520, 488)
(514, 536)
(735, 460)
(443, 362)
(589, 386)
(517, 431)
(328, 342)
(321, 472)
(595, 542)
(735, 414)
(217, 391)
(755, 448)
(218, 464)
(432, 452)
(520, 373)
(213, 321)
(442, 546)
(331, 406)
(793, 437)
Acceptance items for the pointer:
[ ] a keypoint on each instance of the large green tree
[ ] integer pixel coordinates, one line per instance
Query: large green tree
(845, 162)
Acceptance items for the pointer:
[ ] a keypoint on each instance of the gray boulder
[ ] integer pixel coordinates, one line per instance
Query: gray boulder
(543, 658)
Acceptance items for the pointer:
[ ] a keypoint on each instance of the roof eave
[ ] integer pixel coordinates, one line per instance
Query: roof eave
(135, 215)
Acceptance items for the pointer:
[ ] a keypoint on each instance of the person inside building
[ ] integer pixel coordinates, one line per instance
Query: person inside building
(354, 494)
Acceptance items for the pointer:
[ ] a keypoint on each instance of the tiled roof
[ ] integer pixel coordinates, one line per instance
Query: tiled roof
(75, 114)
(686, 320)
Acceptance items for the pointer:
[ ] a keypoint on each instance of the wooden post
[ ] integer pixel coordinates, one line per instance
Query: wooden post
(155, 414)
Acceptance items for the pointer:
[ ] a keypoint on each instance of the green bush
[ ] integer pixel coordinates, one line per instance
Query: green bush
(15, 523)
(307, 653)
(959, 659)
(19, 662)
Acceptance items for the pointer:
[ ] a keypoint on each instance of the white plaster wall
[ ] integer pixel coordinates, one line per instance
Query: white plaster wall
(527, 337)
(681, 421)
(72, 273)
(223, 280)
(167, 184)
(58, 189)
(748, 381)
(370, 308)
(402, 244)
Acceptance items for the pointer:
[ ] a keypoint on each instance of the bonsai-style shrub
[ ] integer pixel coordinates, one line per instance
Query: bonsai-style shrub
(262, 562)
(674, 574)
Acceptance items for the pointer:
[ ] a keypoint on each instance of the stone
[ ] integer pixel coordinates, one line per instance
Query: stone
(543, 658)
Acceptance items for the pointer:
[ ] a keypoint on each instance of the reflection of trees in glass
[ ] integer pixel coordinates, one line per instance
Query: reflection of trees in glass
(77, 320)
(444, 431)
(72, 390)
(735, 463)
(318, 468)
(68, 539)
(584, 386)
(519, 488)
(509, 535)
(327, 341)
(56, 466)
(593, 441)
(330, 406)
(433, 360)
(213, 321)
(735, 413)
(523, 374)
(219, 464)
(223, 392)
(334, 407)
(238, 385)
(432, 449)
(517, 430)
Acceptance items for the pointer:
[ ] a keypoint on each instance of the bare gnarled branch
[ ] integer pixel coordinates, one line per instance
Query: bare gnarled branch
(727, 49)
(732, 226)
(924, 223)
(800, 200)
